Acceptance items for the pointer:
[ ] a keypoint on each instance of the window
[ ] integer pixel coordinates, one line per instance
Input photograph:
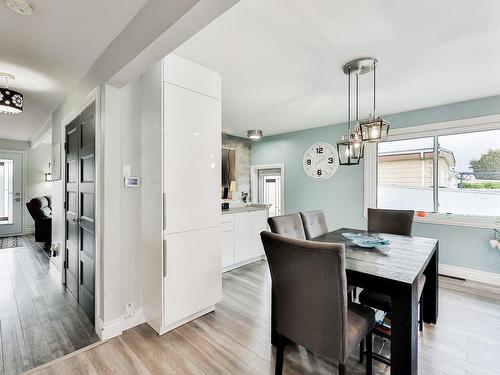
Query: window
(405, 174)
(469, 173)
(451, 174)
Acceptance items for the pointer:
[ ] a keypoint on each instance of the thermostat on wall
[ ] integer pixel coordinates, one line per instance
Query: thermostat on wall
(131, 181)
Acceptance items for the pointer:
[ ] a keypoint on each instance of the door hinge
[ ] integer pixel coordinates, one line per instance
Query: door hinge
(65, 146)
(64, 205)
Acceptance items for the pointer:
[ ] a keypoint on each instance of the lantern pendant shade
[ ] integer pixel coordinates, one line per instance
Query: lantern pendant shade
(357, 140)
(11, 102)
(374, 129)
(350, 151)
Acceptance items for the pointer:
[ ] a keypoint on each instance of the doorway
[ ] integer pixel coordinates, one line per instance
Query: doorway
(11, 171)
(79, 265)
(268, 187)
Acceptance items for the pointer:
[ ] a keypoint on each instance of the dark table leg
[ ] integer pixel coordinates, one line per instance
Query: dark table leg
(430, 295)
(404, 332)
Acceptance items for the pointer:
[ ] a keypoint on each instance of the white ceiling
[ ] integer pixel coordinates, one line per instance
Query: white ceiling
(51, 50)
(281, 60)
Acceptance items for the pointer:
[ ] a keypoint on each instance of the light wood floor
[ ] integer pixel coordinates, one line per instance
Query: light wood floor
(39, 319)
(235, 338)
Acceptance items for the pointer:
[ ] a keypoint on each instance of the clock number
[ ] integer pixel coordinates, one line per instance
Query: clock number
(319, 150)
(308, 162)
(330, 160)
(319, 172)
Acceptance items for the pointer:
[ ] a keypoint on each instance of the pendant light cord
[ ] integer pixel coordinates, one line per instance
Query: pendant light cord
(357, 96)
(374, 85)
(349, 103)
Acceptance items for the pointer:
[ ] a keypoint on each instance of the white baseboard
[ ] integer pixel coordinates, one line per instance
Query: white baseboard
(116, 327)
(137, 319)
(29, 230)
(244, 263)
(470, 274)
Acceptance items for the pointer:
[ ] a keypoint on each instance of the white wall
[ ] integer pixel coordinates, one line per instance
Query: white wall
(130, 198)
(159, 28)
(38, 159)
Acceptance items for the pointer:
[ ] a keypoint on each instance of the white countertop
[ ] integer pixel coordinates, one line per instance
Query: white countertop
(247, 208)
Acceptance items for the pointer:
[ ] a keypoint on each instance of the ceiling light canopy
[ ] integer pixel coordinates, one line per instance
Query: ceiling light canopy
(254, 134)
(11, 102)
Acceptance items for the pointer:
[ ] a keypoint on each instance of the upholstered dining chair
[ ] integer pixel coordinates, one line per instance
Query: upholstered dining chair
(287, 225)
(398, 222)
(311, 309)
(314, 223)
(390, 221)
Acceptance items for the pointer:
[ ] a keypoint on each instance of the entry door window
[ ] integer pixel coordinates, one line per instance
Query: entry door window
(7, 191)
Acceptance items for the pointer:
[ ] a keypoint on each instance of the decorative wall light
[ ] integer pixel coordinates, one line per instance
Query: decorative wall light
(11, 102)
(48, 176)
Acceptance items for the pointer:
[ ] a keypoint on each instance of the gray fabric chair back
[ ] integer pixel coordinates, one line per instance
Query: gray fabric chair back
(310, 289)
(288, 226)
(314, 223)
(390, 221)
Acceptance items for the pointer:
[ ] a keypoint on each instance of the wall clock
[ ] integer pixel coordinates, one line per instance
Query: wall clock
(320, 161)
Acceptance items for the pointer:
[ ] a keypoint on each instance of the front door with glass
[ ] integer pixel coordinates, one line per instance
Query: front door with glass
(10, 193)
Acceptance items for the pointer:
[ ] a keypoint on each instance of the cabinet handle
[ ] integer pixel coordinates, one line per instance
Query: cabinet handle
(164, 258)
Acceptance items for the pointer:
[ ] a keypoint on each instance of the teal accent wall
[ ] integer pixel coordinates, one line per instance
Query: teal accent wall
(341, 197)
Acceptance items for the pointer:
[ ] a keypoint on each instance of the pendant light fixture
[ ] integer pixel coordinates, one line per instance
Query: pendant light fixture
(350, 148)
(11, 102)
(374, 129)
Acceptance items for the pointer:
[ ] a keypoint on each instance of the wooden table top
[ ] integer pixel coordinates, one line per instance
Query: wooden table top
(403, 260)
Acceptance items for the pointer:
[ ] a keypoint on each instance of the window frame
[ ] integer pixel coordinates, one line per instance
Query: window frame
(370, 165)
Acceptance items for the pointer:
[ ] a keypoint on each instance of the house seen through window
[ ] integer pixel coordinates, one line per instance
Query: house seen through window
(466, 168)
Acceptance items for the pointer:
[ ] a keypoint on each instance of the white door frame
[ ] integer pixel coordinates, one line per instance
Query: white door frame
(24, 188)
(94, 96)
(254, 180)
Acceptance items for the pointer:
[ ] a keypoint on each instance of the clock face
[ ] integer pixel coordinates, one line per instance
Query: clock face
(321, 161)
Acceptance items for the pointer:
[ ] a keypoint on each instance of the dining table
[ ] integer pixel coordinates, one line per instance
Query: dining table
(393, 270)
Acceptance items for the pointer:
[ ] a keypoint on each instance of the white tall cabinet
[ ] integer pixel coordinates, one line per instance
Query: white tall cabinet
(182, 272)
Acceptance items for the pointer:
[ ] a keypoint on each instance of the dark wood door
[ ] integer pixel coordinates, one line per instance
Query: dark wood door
(80, 209)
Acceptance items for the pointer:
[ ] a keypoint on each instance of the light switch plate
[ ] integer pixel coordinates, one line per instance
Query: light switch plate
(127, 170)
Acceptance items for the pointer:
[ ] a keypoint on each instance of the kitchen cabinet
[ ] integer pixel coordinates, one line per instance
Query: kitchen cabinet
(181, 153)
(242, 244)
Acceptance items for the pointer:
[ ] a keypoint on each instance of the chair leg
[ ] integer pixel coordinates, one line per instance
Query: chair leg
(361, 351)
(421, 316)
(280, 348)
(342, 369)
(369, 345)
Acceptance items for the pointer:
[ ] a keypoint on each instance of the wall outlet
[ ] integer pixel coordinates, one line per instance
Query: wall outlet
(128, 311)
(54, 249)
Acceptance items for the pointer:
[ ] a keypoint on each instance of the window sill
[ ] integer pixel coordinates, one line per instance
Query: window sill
(485, 222)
